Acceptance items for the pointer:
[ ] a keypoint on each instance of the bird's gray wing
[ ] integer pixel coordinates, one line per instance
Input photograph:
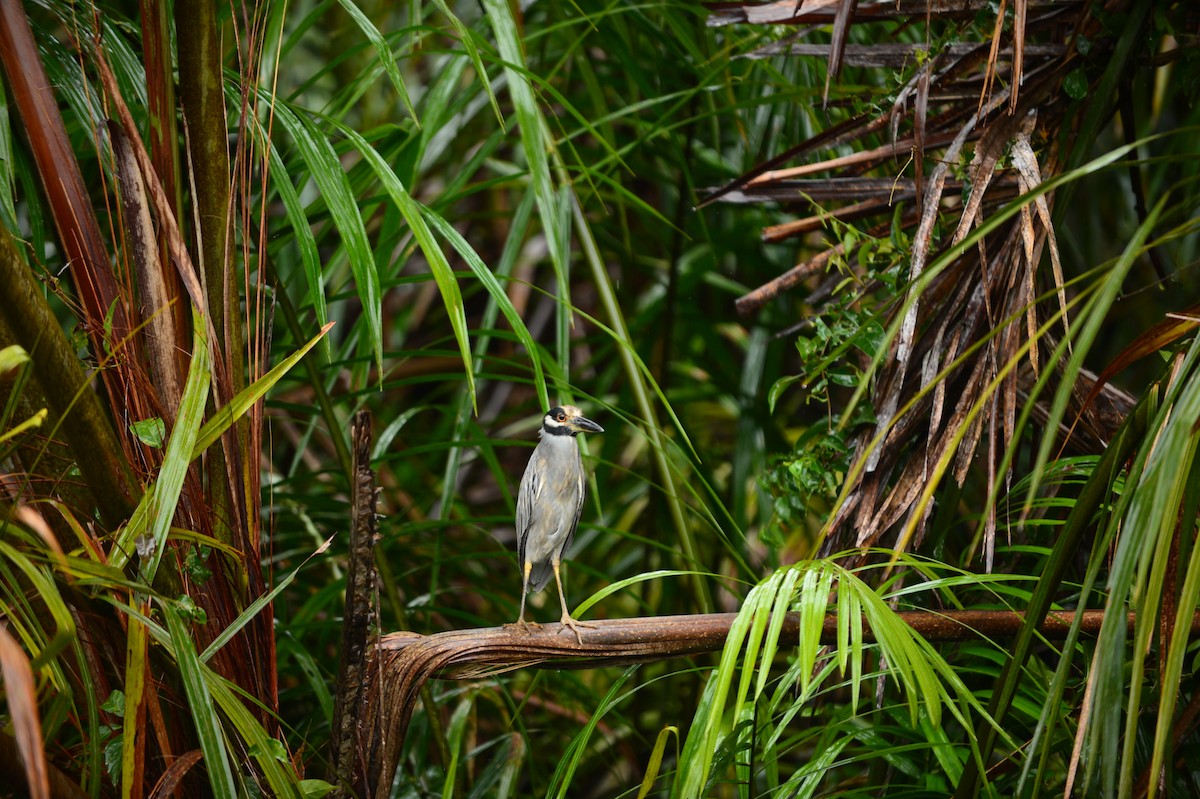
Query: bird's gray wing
(525, 494)
(580, 496)
(582, 477)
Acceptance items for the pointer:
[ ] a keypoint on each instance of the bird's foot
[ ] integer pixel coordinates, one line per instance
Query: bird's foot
(523, 626)
(573, 625)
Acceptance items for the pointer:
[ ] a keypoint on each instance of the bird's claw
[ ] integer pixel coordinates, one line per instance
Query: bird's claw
(574, 626)
(524, 626)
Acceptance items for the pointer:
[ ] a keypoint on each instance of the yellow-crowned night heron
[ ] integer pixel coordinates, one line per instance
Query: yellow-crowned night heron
(549, 502)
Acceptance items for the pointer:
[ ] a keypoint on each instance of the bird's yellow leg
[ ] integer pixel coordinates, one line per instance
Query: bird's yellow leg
(520, 622)
(566, 620)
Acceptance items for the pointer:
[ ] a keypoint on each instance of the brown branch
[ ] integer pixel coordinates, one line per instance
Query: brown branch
(155, 194)
(891, 55)
(106, 315)
(201, 94)
(154, 290)
(790, 12)
(77, 409)
(752, 301)
(860, 159)
(848, 213)
(359, 618)
(407, 660)
(163, 138)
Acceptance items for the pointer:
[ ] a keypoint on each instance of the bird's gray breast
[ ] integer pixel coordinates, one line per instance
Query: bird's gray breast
(554, 480)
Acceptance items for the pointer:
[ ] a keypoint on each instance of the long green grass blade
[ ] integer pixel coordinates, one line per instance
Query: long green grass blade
(639, 383)
(468, 42)
(927, 681)
(147, 529)
(701, 743)
(302, 235)
(200, 706)
(443, 274)
(269, 753)
(256, 607)
(497, 294)
(386, 57)
(327, 172)
(621, 585)
(1092, 497)
(1140, 564)
(1094, 317)
(565, 773)
(455, 739)
(224, 418)
(535, 140)
(135, 686)
(654, 764)
(1178, 648)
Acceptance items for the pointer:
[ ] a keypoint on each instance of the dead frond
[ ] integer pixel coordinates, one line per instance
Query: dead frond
(980, 117)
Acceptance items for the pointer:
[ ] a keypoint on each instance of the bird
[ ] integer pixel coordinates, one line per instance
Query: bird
(549, 502)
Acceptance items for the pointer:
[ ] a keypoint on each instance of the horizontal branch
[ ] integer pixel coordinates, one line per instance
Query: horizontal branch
(406, 660)
(470, 654)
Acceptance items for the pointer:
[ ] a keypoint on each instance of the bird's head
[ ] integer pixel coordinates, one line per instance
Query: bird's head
(567, 420)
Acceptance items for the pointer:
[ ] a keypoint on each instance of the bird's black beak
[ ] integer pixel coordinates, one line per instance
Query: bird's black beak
(585, 425)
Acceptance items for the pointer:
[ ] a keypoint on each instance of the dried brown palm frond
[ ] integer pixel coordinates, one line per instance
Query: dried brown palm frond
(977, 121)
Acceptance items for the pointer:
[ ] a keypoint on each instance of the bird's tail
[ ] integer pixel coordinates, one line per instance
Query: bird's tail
(540, 576)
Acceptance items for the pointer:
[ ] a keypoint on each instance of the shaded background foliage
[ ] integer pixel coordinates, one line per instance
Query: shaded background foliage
(498, 207)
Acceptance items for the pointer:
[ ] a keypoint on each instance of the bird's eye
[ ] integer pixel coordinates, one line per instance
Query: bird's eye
(562, 417)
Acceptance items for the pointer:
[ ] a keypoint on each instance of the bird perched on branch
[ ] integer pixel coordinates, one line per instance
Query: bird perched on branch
(549, 503)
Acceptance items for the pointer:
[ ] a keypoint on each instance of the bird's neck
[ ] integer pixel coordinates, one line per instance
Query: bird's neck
(556, 433)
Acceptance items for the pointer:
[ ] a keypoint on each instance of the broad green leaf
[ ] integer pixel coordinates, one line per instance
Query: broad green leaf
(272, 747)
(151, 432)
(314, 789)
(115, 703)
